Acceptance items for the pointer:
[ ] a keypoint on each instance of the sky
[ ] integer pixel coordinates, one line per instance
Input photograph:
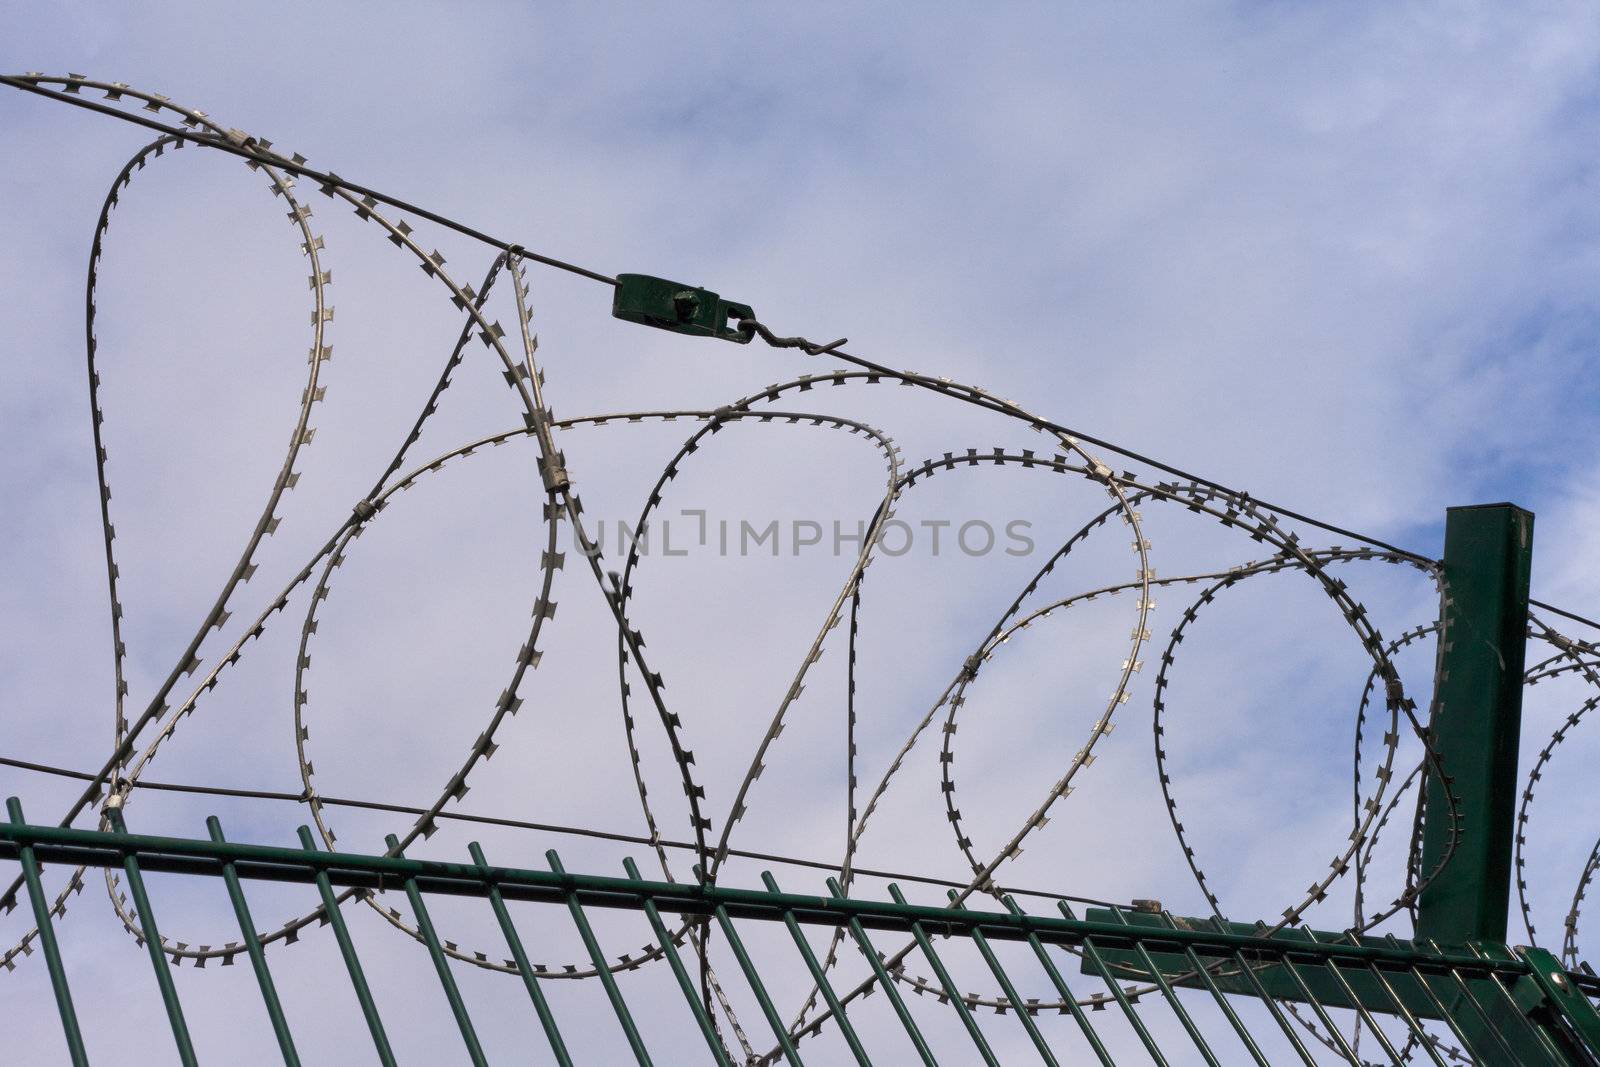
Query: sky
(1344, 259)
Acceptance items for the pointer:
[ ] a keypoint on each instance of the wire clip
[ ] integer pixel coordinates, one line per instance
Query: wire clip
(669, 305)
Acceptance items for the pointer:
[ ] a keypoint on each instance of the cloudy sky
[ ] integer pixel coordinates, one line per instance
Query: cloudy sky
(1344, 259)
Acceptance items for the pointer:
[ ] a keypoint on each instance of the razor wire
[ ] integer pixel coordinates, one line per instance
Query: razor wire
(1069, 453)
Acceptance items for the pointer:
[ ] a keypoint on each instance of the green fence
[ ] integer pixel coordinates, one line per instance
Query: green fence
(1488, 1002)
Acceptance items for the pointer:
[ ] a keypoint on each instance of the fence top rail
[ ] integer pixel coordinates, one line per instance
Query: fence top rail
(377, 873)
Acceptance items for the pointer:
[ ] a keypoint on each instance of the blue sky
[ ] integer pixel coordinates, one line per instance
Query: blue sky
(1342, 258)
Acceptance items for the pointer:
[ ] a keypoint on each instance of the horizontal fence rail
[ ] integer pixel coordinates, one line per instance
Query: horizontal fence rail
(1237, 994)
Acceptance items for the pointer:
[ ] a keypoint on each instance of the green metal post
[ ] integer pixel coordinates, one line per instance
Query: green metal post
(1477, 723)
(252, 946)
(152, 941)
(47, 940)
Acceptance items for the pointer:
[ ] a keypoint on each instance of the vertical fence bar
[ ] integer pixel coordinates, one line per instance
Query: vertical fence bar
(950, 988)
(519, 957)
(1208, 980)
(1267, 1000)
(252, 946)
(1167, 991)
(1093, 953)
(1464, 993)
(441, 962)
(1009, 989)
(1334, 1033)
(1343, 985)
(736, 943)
(820, 976)
(607, 979)
(1510, 1008)
(352, 962)
(1477, 723)
(152, 940)
(47, 941)
(859, 932)
(1063, 990)
(1405, 1013)
(680, 972)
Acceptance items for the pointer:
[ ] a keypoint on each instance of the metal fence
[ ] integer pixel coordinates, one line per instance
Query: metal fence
(1219, 982)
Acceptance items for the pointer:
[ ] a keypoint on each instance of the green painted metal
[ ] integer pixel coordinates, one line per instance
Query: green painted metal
(681, 308)
(519, 956)
(1094, 962)
(1567, 1002)
(864, 942)
(47, 940)
(347, 949)
(951, 990)
(602, 966)
(1165, 986)
(758, 987)
(1477, 720)
(680, 972)
(441, 964)
(258, 959)
(818, 975)
(1010, 990)
(1502, 1007)
(1063, 991)
(152, 941)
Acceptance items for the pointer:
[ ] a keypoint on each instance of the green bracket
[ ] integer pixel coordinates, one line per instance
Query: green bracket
(1556, 990)
(1125, 964)
(1477, 723)
(1490, 1019)
(669, 305)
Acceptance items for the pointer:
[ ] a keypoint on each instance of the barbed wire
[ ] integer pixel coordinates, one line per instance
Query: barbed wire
(136, 741)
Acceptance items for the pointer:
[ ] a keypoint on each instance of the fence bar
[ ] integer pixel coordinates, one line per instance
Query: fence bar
(1509, 1005)
(1417, 1032)
(820, 976)
(607, 979)
(1289, 1032)
(1210, 982)
(773, 1018)
(859, 932)
(258, 959)
(1172, 997)
(1063, 990)
(352, 962)
(1008, 988)
(1334, 1033)
(441, 963)
(950, 987)
(1093, 952)
(152, 940)
(1360, 1010)
(184, 855)
(47, 941)
(519, 957)
(685, 983)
